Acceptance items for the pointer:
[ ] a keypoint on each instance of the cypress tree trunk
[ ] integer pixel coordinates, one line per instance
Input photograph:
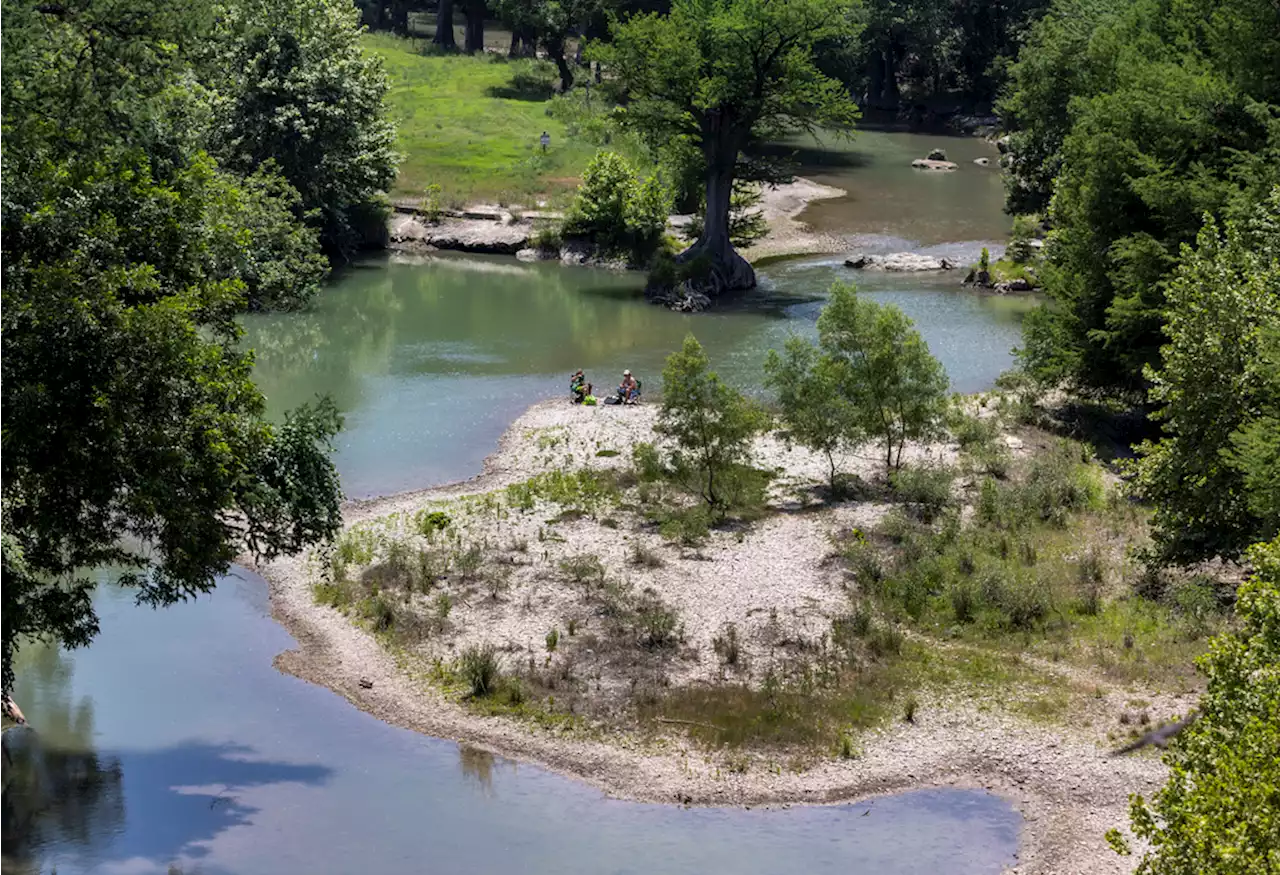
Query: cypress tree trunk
(475, 27)
(400, 17)
(725, 269)
(444, 27)
(555, 50)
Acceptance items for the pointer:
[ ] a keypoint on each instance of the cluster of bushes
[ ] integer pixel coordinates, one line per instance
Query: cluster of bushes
(618, 210)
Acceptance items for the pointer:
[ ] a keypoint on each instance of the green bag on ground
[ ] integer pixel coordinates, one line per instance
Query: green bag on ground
(590, 401)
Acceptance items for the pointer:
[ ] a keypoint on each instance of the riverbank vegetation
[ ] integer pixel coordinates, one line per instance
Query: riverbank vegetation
(164, 170)
(1148, 131)
(772, 586)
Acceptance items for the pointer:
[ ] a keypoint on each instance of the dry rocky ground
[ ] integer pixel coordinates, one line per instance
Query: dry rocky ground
(604, 619)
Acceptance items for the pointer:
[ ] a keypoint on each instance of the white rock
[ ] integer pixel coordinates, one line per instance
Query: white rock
(926, 164)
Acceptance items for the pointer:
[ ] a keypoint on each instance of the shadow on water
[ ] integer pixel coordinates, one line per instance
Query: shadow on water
(830, 152)
(77, 801)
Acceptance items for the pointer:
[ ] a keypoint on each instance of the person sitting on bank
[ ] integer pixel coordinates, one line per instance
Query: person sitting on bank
(629, 390)
(579, 388)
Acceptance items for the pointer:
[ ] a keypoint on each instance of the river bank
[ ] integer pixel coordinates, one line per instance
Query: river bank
(496, 230)
(1056, 774)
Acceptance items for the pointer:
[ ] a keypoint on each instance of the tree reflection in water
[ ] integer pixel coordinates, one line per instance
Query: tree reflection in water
(57, 789)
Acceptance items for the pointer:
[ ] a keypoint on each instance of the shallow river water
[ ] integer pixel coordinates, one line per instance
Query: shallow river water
(174, 741)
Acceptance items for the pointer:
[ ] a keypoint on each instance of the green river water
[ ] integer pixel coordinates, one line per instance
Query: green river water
(174, 741)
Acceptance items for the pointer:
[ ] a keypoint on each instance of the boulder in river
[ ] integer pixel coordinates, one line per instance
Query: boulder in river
(1018, 285)
(936, 155)
(898, 262)
(464, 235)
(930, 164)
(982, 162)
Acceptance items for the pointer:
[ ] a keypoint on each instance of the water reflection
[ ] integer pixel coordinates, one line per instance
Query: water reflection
(68, 804)
(200, 755)
(477, 765)
(431, 358)
(886, 197)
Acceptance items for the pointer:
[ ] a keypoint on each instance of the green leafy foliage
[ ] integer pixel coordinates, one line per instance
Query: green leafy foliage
(717, 76)
(898, 390)
(816, 412)
(869, 377)
(711, 424)
(1217, 388)
(133, 435)
(617, 209)
(1218, 811)
(1163, 114)
(292, 84)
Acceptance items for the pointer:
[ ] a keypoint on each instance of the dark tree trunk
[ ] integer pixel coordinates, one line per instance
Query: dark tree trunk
(726, 270)
(400, 17)
(555, 50)
(524, 43)
(443, 39)
(891, 95)
(475, 27)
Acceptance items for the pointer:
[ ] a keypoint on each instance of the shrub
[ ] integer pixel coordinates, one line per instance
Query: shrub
(616, 209)
(688, 526)
(1058, 483)
(428, 523)
(884, 640)
(641, 556)
(988, 510)
(1024, 604)
(441, 608)
(929, 488)
(380, 612)
(432, 208)
(467, 561)
(480, 670)
(584, 568)
(965, 600)
(972, 432)
(655, 622)
(553, 640)
(648, 463)
(711, 424)
(726, 645)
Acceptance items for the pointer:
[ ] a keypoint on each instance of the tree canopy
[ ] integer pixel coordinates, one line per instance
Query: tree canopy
(711, 424)
(725, 74)
(1220, 810)
(292, 86)
(1163, 113)
(1217, 391)
(133, 435)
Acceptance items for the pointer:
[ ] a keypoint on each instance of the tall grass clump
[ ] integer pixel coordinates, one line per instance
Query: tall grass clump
(479, 669)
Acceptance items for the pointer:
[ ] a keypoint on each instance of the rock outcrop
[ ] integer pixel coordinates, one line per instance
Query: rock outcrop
(1009, 286)
(899, 261)
(929, 164)
(463, 235)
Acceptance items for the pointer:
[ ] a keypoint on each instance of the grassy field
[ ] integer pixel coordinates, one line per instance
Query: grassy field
(471, 125)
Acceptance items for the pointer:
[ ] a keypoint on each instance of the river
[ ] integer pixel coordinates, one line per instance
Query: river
(174, 742)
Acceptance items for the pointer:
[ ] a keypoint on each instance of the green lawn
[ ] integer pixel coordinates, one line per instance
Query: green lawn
(471, 125)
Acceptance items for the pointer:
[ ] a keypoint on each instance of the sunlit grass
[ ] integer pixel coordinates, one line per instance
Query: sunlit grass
(471, 125)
